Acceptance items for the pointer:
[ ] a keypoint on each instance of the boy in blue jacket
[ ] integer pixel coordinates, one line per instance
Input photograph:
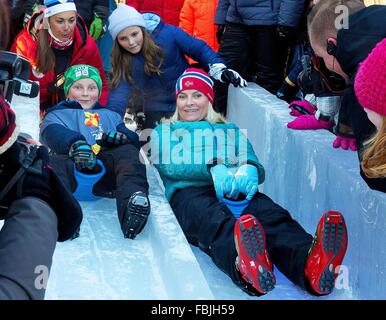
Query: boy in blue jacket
(79, 131)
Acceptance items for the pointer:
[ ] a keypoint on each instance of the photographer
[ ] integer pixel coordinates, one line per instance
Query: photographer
(36, 208)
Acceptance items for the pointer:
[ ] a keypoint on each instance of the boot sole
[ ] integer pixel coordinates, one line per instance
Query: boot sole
(253, 240)
(334, 234)
(136, 216)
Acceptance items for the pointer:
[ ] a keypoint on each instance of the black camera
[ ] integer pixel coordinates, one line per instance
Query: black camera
(14, 75)
(316, 79)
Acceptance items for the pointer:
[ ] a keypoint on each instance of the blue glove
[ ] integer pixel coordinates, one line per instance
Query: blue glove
(222, 180)
(82, 155)
(246, 181)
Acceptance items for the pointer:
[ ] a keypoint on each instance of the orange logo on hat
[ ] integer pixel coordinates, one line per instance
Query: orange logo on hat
(92, 119)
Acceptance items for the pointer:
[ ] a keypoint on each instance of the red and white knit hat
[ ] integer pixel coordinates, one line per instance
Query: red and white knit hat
(8, 132)
(370, 81)
(196, 79)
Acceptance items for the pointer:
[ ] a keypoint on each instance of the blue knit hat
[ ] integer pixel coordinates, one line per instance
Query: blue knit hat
(56, 6)
(122, 17)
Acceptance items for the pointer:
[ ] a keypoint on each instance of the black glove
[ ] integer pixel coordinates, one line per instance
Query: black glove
(220, 32)
(233, 77)
(113, 138)
(83, 156)
(284, 33)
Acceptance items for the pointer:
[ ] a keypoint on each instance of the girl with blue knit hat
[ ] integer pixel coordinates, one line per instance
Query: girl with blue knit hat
(54, 39)
(147, 58)
(80, 133)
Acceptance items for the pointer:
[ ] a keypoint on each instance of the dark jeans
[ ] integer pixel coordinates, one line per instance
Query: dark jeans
(125, 174)
(256, 53)
(208, 224)
(27, 243)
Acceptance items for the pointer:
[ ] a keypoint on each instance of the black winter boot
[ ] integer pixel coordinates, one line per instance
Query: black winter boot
(136, 214)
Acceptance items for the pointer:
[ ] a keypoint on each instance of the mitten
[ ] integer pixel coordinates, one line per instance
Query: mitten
(301, 107)
(345, 143)
(246, 181)
(222, 180)
(309, 122)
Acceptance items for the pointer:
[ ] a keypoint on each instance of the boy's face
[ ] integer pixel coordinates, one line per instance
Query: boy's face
(85, 91)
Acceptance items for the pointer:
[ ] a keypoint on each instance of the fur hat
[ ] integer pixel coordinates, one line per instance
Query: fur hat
(8, 130)
(196, 79)
(122, 17)
(56, 6)
(370, 81)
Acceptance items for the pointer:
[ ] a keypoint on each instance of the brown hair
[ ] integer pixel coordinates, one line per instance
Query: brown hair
(321, 19)
(45, 57)
(4, 24)
(122, 60)
(374, 155)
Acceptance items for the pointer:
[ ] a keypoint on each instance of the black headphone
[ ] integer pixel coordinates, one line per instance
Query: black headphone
(331, 48)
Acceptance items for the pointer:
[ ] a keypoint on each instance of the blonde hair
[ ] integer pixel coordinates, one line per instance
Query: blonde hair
(122, 60)
(212, 116)
(321, 20)
(374, 155)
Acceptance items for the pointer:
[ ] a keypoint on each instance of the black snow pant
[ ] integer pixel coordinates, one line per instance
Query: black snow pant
(209, 224)
(125, 175)
(27, 243)
(256, 53)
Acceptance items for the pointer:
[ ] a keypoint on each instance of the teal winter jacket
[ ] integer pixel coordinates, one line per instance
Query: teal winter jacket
(184, 151)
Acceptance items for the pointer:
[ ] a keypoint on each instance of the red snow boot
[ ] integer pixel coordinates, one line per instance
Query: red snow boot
(327, 252)
(253, 261)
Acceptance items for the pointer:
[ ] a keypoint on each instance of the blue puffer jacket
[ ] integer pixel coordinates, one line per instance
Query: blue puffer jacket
(260, 12)
(67, 122)
(181, 151)
(158, 92)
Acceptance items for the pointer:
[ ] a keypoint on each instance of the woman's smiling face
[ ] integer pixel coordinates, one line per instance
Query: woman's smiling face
(192, 105)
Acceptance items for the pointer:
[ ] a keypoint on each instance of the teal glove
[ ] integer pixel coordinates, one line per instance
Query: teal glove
(113, 138)
(222, 180)
(246, 181)
(82, 155)
(96, 28)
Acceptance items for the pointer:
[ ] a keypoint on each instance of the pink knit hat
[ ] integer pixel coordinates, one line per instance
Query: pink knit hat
(370, 81)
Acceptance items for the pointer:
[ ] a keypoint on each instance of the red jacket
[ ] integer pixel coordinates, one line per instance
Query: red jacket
(168, 10)
(85, 51)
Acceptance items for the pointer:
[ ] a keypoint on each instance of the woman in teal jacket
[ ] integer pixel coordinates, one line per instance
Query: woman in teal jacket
(203, 161)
